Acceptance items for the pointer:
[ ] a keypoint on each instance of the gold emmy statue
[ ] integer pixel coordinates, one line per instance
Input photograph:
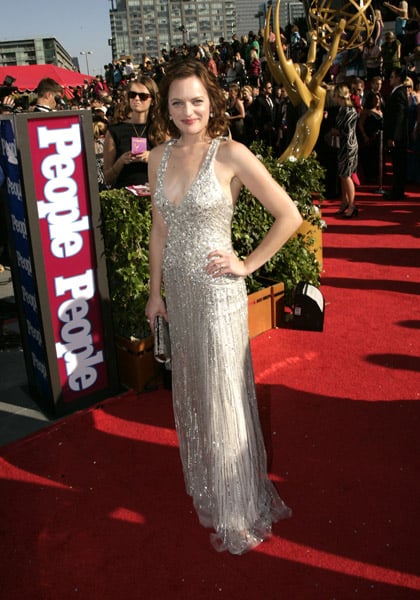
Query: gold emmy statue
(336, 25)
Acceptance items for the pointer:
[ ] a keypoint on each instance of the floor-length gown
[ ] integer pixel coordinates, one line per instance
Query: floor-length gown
(215, 408)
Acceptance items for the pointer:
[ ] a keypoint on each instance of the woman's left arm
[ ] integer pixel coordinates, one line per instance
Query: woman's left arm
(252, 173)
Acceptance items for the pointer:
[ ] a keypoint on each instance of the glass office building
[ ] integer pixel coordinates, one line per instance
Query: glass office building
(34, 51)
(147, 26)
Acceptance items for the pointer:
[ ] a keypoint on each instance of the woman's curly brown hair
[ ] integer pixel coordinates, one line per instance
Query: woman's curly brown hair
(163, 126)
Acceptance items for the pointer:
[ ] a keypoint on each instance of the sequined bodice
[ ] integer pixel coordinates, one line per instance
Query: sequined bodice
(200, 223)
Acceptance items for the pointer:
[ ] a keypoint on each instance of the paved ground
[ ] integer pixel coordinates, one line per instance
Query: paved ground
(19, 415)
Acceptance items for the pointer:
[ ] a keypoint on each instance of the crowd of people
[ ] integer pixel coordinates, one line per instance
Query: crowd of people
(122, 101)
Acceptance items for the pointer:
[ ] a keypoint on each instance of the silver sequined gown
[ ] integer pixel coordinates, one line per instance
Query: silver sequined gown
(220, 438)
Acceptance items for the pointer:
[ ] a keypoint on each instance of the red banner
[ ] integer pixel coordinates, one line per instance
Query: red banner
(62, 196)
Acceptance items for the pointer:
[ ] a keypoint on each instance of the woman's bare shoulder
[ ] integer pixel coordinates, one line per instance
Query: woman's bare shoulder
(160, 149)
(240, 162)
(156, 153)
(239, 157)
(234, 151)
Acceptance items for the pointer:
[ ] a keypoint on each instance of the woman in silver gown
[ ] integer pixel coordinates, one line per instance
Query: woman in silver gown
(195, 180)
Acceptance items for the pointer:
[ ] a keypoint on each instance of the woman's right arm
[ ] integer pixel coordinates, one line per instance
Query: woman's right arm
(112, 168)
(158, 234)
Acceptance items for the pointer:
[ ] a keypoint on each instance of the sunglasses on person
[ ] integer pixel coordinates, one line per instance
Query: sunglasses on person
(142, 95)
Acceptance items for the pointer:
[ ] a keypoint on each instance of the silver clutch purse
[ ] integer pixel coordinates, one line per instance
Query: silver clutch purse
(162, 342)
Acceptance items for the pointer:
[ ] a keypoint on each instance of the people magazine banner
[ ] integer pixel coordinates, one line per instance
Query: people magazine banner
(67, 238)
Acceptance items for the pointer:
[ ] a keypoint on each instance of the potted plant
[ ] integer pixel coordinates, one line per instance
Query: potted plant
(126, 223)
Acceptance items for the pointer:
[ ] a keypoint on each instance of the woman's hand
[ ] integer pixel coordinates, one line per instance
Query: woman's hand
(155, 306)
(224, 263)
(127, 158)
(144, 156)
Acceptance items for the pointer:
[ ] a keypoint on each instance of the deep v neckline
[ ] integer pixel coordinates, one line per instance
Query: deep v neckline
(202, 165)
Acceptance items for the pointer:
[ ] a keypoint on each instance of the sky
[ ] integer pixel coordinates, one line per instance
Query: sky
(79, 25)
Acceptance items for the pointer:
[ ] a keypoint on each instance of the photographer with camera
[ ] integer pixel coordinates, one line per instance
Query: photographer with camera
(49, 94)
(7, 100)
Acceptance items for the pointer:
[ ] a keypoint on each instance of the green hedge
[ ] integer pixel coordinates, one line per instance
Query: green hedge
(126, 222)
(296, 261)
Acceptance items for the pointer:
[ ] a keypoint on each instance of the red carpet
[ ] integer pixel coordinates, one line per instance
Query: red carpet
(94, 507)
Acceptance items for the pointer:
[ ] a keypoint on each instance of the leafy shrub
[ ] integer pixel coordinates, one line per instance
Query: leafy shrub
(297, 260)
(126, 223)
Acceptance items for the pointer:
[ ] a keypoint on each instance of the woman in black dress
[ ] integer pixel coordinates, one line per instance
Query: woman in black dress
(127, 143)
(250, 126)
(370, 126)
(236, 112)
(345, 129)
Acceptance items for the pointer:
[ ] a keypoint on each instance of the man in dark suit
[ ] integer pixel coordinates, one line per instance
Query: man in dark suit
(49, 94)
(265, 113)
(396, 133)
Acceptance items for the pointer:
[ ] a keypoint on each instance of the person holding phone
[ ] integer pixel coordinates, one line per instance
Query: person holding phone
(127, 142)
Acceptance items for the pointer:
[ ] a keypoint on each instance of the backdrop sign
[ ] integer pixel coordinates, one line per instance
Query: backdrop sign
(64, 256)
(69, 256)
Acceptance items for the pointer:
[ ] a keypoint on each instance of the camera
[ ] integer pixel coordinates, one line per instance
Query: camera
(7, 88)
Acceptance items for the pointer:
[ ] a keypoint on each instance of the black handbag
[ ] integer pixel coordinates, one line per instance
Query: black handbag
(162, 341)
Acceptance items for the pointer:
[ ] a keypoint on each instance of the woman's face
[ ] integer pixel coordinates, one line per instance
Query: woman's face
(139, 98)
(246, 97)
(189, 105)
